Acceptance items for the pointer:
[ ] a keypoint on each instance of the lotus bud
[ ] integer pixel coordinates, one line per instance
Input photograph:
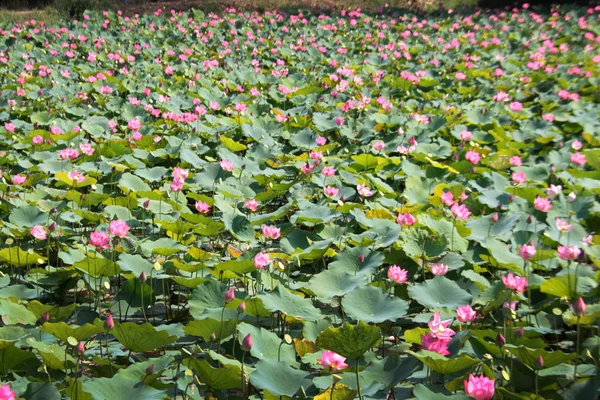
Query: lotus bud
(147, 203)
(109, 324)
(361, 258)
(242, 307)
(539, 363)
(579, 307)
(511, 198)
(500, 340)
(229, 296)
(45, 318)
(572, 197)
(213, 337)
(530, 219)
(247, 343)
(143, 277)
(519, 332)
(495, 218)
(80, 348)
(150, 369)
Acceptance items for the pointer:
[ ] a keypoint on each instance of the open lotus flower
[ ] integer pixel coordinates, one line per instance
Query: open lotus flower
(332, 361)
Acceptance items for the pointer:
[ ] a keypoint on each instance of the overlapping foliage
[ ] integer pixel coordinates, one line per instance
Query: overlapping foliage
(333, 187)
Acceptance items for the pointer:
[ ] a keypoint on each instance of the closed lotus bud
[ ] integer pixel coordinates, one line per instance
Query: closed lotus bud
(45, 317)
(213, 337)
(529, 219)
(147, 203)
(361, 258)
(109, 324)
(495, 218)
(80, 348)
(52, 227)
(539, 363)
(82, 196)
(150, 370)
(247, 343)
(519, 332)
(229, 296)
(500, 340)
(511, 197)
(579, 307)
(242, 307)
(143, 277)
(572, 197)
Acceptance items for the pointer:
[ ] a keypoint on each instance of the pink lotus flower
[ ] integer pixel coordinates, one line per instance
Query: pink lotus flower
(76, 176)
(331, 191)
(364, 190)
(227, 165)
(554, 191)
(37, 140)
(180, 173)
(579, 307)
(578, 158)
(519, 177)
(479, 387)
(378, 146)
(473, 157)
(261, 260)
(321, 140)
(252, 205)
(19, 179)
(586, 241)
(307, 168)
(465, 134)
(271, 232)
(465, 313)
(240, 107)
(397, 274)
(447, 198)
(134, 124)
(10, 127)
(247, 343)
(39, 232)
(339, 120)
(328, 171)
(202, 207)
(332, 361)
(87, 149)
(100, 240)
(406, 219)
(229, 296)
(542, 204)
(460, 76)
(109, 324)
(432, 343)
(439, 328)
(6, 393)
(460, 211)
(563, 226)
(438, 269)
(68, 153)
(568, 252)
(176, 185)
(527, 251)
(515, 106)
(118, 228)
(576, 145)
(514, 282)
(515, 161)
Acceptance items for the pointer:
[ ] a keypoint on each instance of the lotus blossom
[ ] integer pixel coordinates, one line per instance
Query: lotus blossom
(554, 191)
(328, 171)
(332, 361)
(439, 328)
(527, 251)
(563, 226)
(227, 165)
(19, 179)
(515, 161)
(519, 177)
(6, 393)
(514, 282)
(406, 219)
(438, 269)
(460, 211)
(39, 232)
(100, 240)
(202, 207)
(568, 252)
(262, 260)
(118, 228)
(397, 274)
(437, 345)
(465, 313)
(76, 176)
(479, 387)
(542, 204)
(180, 173)
(578, 158)
(271, 232)
(251, 205)
(473, 157)
(331, 191)
(364, 190)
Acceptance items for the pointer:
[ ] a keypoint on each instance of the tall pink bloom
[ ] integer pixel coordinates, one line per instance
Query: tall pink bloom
(515, 161)
(227, 165)
(19, 179)
(479, 387)
(364, 190)
(519, 177)
(176, 185)
(563, 226)
(328, 171)
(397, 274)
(118, 228)
(515, 106)
(331, 191)
(465, 313)
(134, 124)
(568, 252)
(578, 158)
(6, 393)
(447, 198)
(439, 328)
(514, 282)
(252, 205)
(271, 232)
(406, 219)
(332, 361)
(542, 204)
(180, 173)
(261, 260)
(100, 240)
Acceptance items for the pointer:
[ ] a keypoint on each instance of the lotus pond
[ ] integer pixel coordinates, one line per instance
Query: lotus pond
(267, 205)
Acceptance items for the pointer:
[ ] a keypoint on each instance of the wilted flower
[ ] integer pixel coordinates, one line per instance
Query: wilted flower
(562, 225)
